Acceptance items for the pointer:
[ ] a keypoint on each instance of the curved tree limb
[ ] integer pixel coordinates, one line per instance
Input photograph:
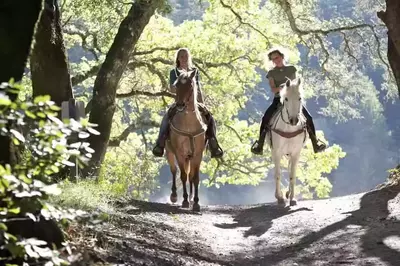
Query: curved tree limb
(241, 21)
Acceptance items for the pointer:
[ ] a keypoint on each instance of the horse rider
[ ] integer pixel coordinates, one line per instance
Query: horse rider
(277, 76)
(183, 62)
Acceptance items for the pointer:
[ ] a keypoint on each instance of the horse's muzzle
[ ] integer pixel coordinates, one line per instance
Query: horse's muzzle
(294, 121)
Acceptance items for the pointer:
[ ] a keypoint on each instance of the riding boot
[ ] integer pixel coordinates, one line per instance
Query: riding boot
(313, 137)
(258, 146)
(158, 149)
(215, 149)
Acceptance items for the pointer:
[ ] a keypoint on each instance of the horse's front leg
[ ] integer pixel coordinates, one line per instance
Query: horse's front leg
(185, 170)
(196, 181)
(171, 161)
(292, 175)
(278, 192)
(190, 189)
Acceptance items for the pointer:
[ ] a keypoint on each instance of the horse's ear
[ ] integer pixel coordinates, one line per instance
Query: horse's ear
(192, 74)
(288, 83)
(298, 81)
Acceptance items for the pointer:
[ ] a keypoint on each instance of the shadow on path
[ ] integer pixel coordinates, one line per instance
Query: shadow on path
(259, 218)
(372, 216)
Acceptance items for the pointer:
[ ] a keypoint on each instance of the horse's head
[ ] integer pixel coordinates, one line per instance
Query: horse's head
(292, 100)
(185, 86)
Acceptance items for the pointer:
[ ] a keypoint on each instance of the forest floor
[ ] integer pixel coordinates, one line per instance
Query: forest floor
(361, 229)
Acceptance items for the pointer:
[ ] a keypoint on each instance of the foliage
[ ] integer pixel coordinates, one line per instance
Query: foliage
(86, 195)
(25, 187)
(128, 174)
(393, 178)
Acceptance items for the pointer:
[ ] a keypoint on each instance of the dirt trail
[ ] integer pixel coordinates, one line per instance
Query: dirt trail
(362, 229)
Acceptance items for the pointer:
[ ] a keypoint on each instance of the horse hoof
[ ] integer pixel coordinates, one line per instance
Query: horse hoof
(287, 194)
(293, 203)
(281, 201)
(173, 198)
(196, 207)
(185, 204)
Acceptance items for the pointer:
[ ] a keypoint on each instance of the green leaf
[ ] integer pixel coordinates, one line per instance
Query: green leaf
(52, 189)
(29, 251)
(83, 135)
(3, 227)
(41, 99)
(30, 114)
(4, 101)
(14, 210)
(18, 135)
(93, 131)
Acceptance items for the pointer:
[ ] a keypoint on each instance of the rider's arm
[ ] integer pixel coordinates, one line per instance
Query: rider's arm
(172, 79)
(294, 75)
(200, 98)
(274, 89)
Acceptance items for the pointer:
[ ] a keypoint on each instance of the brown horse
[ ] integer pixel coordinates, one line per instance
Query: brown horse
(187, 139)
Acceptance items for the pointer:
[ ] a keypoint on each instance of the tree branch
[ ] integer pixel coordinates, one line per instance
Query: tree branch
(116, 141)
(84, 35)
(167, 49)
(240, 19)
(135, 64)
(292, 21)
(84, 76)
(145, 93)
(316, 33)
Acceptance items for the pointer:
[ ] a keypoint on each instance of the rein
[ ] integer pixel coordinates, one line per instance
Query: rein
(184, 104)
(285, 134)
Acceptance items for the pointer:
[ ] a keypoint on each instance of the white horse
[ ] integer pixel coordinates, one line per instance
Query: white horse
(288, 135)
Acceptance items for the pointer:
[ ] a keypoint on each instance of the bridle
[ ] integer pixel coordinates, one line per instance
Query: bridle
(181, 106)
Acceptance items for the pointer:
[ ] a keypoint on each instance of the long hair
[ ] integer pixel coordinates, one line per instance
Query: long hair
(190, 62)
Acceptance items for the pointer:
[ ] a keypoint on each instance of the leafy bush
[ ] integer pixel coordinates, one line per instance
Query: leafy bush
(26, 185)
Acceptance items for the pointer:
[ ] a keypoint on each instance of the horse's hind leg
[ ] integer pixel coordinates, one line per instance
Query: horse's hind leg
(278, 192)
(185, 169)
(172, 167)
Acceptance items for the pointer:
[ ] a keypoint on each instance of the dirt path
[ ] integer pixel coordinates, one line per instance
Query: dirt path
(361, 229)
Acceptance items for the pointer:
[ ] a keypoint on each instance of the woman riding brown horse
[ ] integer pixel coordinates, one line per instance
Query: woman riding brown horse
(187, 139)
(184, 63)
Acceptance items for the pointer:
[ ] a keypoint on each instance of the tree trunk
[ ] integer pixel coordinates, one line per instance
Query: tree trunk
(48, 62)
(106, 83)
(17, 26)
(391, 18)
